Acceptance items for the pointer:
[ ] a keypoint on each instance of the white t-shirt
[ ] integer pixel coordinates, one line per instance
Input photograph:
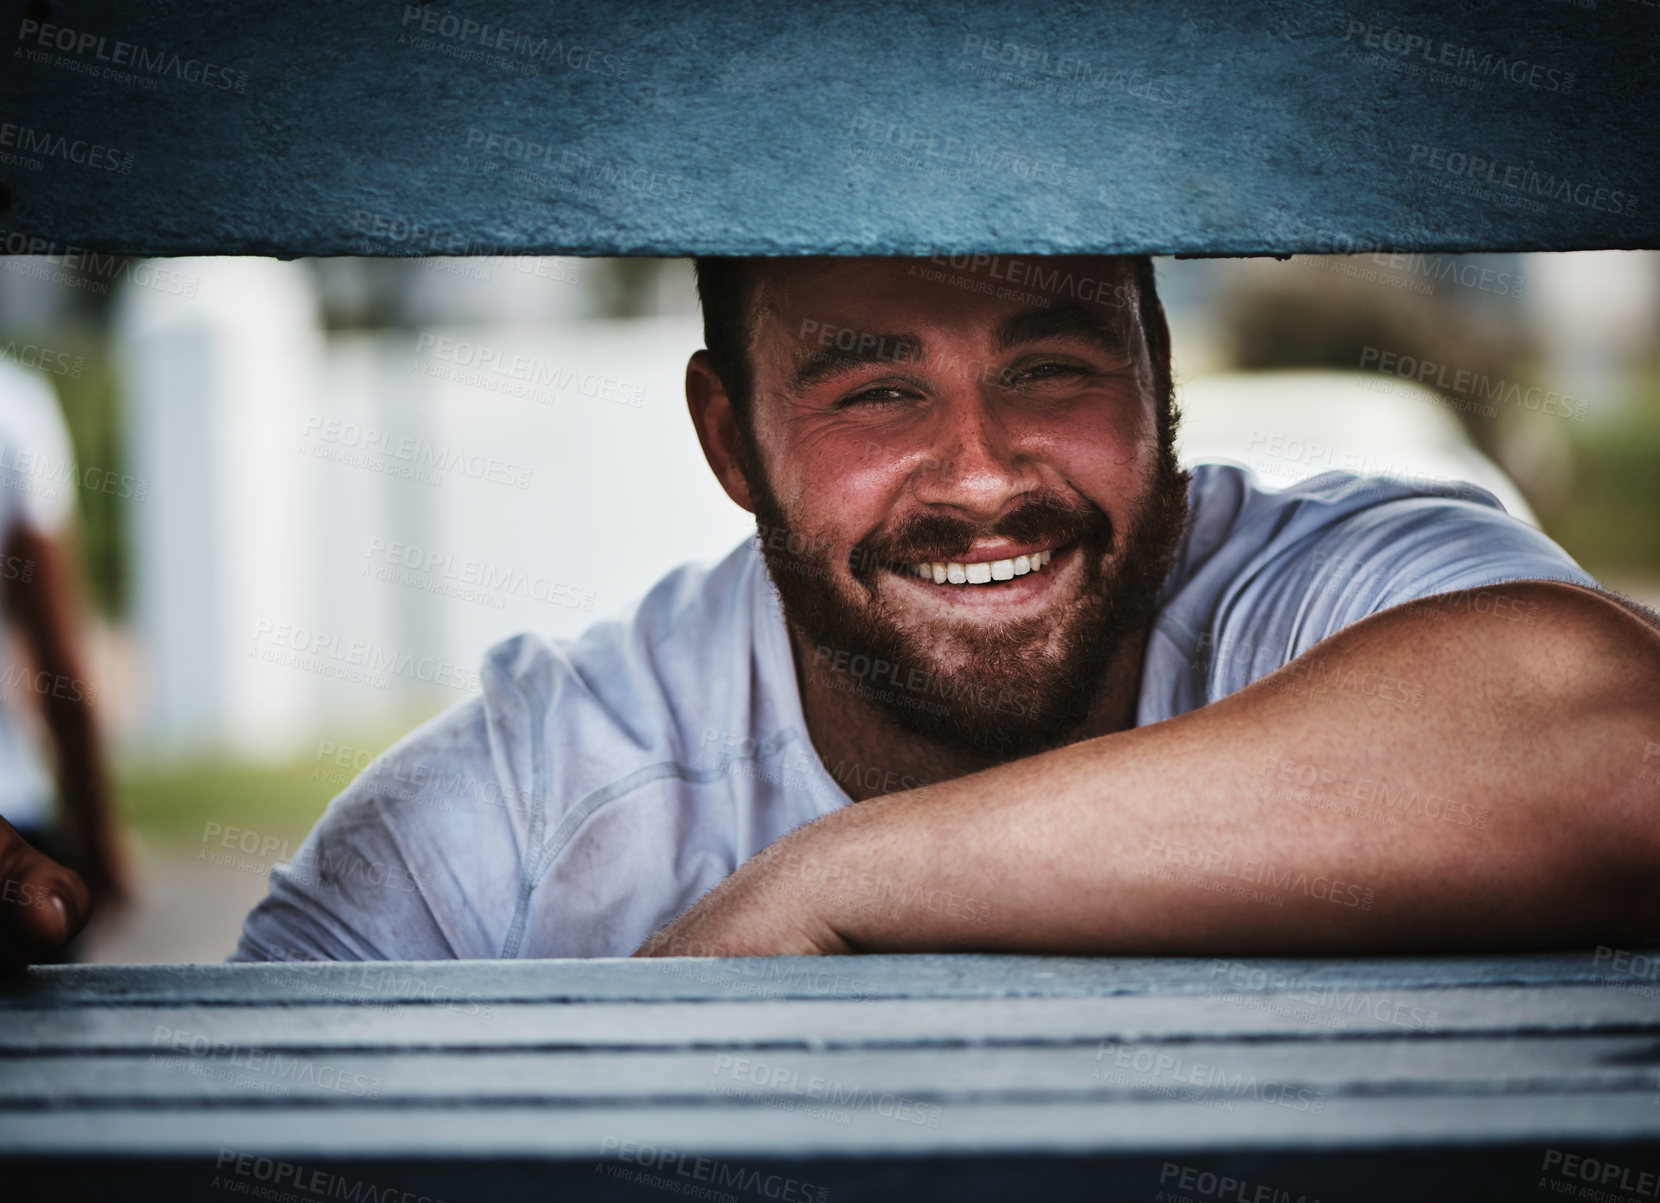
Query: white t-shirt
(599, 786)
(35, 491)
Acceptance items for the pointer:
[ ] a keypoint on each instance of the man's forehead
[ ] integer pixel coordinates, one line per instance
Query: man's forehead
(815, 320)
(828, 290)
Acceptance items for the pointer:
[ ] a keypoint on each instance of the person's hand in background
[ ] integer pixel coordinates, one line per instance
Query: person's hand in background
(42, 904)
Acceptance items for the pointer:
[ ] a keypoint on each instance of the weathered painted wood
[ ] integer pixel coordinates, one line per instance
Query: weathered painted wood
(458, 983)
(1001, 1078)
(816, 1024)
(1501, 1174)
(488, 126)
(1057, 1127)
(1208, 1071)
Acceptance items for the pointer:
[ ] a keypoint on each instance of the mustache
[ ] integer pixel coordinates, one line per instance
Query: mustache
(925, 536)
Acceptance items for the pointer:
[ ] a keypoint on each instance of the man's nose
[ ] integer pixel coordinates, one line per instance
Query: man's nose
(974, 461)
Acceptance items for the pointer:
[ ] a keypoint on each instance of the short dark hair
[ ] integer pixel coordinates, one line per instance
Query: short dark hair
(728, 314)
(729, 305)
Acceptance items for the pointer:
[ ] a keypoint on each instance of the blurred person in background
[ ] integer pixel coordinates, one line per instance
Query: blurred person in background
(41, 631)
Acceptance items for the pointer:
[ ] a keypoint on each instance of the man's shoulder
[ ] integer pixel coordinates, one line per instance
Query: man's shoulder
(598, 742)
(668, 646)
(558, 719)
(1345, 523)
(1265, 573)
(1230, 507)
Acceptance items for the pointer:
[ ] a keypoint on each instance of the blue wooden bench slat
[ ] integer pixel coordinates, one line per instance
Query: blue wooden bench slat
(727, 128)
(1096, 1069)
(940, 1077)
(958, 976)
(827, 1023)
(1131, 1124)
(1371, 1174)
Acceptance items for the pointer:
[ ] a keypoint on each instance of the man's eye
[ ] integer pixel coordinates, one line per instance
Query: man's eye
(872, 396)
(1039, 372)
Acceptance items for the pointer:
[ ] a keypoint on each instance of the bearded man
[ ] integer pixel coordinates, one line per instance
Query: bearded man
(997, 674)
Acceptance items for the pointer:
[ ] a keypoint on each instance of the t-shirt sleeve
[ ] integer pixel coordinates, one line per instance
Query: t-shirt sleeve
(1355, 548)
(37, 470)
(418, 859)
(349, 894)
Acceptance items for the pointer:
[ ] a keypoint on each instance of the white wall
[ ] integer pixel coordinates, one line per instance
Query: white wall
(331, 508)
(213, 385)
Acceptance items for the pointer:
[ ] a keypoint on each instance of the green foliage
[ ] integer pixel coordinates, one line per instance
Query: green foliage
(1611, 522)
(175, 803)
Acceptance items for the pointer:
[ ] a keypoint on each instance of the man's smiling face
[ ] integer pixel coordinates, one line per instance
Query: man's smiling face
(980, 490)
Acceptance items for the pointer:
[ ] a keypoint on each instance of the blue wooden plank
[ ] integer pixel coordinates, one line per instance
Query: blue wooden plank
(1066, 1074)
(961, 126)
(1203, 1072)
(840, 1023)
(869, 977)
(470, 1129)
(1482, 1175)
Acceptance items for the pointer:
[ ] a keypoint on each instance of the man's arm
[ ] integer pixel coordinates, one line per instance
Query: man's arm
(47, 609)
(1473, 781)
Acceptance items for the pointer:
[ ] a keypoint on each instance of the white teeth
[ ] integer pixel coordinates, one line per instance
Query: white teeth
(953, 572)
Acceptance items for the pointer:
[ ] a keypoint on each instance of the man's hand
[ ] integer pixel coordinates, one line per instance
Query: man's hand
(42, 904)
(1433, 778)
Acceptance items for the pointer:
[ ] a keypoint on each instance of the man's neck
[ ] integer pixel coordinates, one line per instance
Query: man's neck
(869, 754)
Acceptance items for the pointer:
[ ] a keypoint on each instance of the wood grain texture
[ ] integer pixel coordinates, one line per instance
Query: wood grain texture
(973, 1077)
(868, 977)
(826, 1024)
(1084, 1071)
(970, 126)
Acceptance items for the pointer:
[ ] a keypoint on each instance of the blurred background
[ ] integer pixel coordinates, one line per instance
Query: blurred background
(304, 497)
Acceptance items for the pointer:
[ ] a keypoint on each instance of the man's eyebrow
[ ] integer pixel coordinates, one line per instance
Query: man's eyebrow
(866, 349)
(1063, 321)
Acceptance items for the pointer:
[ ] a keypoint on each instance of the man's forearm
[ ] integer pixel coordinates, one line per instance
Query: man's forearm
(1431, 778)
(46, 608)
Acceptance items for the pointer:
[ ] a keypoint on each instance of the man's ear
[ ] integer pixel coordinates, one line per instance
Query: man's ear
(717, 427)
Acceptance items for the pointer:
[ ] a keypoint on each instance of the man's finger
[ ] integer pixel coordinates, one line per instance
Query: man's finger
(42, 904)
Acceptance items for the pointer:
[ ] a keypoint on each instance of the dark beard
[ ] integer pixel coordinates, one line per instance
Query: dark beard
(1004, 700)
